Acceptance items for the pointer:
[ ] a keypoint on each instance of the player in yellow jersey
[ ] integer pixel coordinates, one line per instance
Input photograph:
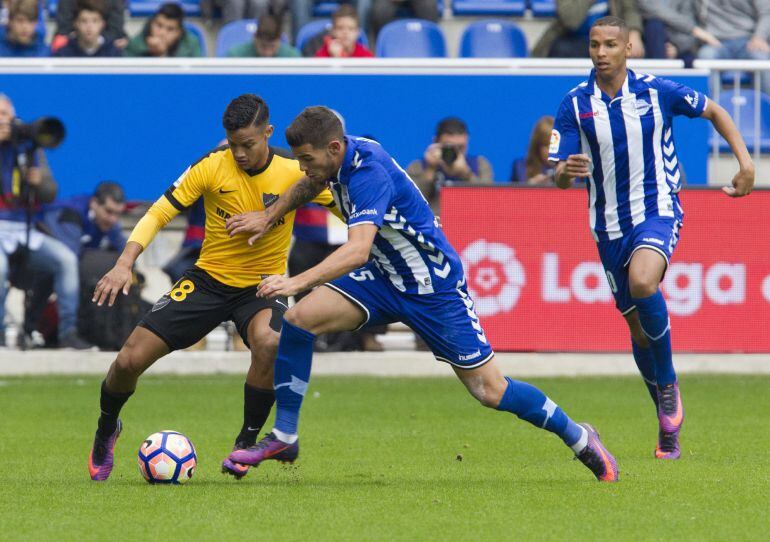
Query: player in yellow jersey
(243, 176)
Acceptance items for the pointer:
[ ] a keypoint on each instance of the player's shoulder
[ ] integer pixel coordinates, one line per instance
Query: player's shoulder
(214, 156)
(283, 164)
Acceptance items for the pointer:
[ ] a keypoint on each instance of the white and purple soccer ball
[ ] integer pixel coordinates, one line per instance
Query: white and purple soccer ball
(167, 457)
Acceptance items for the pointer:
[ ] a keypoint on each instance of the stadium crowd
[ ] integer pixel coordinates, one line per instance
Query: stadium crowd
(49, 246)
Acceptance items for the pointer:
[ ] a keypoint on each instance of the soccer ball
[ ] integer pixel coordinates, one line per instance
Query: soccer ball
(167, 457)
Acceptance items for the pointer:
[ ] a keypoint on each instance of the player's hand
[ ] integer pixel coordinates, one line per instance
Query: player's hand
(578, 165)
(743, 184)
(276, 285)
(257, 223)
(118, 278)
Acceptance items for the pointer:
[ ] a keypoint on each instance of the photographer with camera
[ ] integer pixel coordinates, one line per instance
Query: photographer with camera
(447, 159)
(21, 246)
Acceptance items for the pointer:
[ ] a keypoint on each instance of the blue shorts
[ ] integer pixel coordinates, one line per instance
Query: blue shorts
(660, 234)
(446, 321)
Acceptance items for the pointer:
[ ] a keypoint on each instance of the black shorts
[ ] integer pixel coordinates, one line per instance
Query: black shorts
(198, 303)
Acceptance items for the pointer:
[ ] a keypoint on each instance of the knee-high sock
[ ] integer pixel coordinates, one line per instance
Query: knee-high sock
(532, 405)
(646, 365)
(110, 404)
(257, 404)
(292, 373)
(653, 315)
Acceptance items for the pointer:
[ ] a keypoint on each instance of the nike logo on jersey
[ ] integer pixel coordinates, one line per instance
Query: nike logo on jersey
(226, 191)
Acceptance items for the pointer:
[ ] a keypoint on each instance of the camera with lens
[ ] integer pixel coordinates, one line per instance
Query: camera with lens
(45, 132)
(449, 154)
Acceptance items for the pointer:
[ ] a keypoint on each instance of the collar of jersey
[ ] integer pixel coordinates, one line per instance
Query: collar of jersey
(350, 150)
(253, 172)
(593, 89)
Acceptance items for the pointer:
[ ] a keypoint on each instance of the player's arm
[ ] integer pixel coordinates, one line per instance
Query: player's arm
(564, 148)
(183, 193)
(259, 222)
(352, 255)
(743, 181)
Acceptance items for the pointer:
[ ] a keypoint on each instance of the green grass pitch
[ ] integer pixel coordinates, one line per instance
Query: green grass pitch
(380, 461)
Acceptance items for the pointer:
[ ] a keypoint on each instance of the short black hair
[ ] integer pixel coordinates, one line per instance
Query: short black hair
(111, 190)
(171, 10)
(451, 126)
(96, 6)
(245, 110)
(611, 20)
(316, 125)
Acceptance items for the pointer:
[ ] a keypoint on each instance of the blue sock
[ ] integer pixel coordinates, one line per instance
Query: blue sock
(532, 405)
(646, 365)
(653, 315)
(292, 374)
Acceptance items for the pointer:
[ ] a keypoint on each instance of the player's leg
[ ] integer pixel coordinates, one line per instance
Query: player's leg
(448, 323)
(645, 272)
(614, 256)
(139, 352)
(344, 305)
(645, 362)
(493, 390)
(262, 333)
(179, 319)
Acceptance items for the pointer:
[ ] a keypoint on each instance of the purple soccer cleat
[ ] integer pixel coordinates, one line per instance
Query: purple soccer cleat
(100, 460)
(237, 470)
(597, 458)
(267, 448)
(670, 418)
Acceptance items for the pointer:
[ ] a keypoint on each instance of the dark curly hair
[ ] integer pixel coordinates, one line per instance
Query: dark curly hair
(245, 110)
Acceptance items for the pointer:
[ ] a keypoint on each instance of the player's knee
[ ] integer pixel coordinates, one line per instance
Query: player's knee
(299, 317)
(264, 341)
(643, 286)
(127, 365)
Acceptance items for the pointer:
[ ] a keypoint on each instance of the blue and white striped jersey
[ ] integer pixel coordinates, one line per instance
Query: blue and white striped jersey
(630, 141)
(409, 249)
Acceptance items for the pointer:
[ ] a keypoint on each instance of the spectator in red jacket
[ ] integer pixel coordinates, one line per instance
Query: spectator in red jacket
(342, 42)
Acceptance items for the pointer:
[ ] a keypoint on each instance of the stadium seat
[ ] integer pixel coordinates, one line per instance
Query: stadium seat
(198, 33)
(729, 77)
(145, 8)
(744, 118)
(493, 39)
(234, 33)
(411, 38)
(513, 8)
(543, 8)
(52, 5)
(316, 27)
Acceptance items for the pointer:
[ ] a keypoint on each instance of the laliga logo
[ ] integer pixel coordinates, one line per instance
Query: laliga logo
(495, 276)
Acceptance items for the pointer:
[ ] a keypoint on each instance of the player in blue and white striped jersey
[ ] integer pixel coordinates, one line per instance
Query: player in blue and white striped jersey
(397, 265)
(616, 129)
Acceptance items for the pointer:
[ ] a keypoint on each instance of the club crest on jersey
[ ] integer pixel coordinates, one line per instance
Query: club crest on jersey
(553, 148)
(642, 107)
(269, 199)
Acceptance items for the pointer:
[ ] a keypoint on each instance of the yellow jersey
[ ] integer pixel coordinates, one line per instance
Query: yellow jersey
(228, 190)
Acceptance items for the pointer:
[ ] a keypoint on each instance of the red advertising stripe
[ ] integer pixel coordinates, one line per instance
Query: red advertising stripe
(535, 274)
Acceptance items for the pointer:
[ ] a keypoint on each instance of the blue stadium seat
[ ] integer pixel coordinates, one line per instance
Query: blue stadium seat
(234, 33)
(493, 39)
(729, 77)
(316, 27)
(411, 38)
(745, 118)
(52, 5)
(489, 7)
(543, 8)
(198, 33)
(145, 8)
